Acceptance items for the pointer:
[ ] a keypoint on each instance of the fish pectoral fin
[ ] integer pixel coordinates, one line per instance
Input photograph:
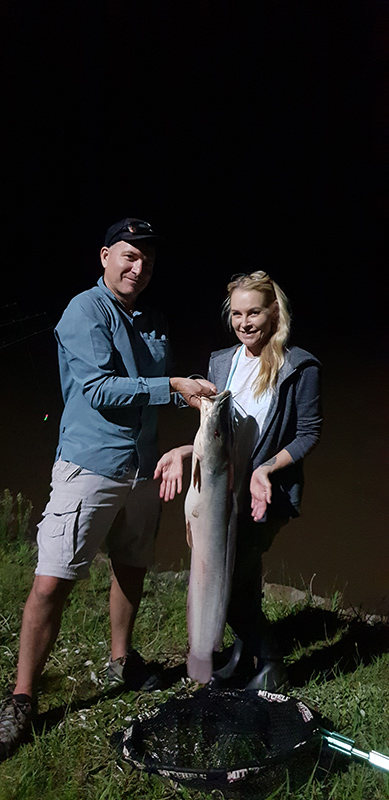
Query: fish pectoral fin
(197, 475)
(189, 538)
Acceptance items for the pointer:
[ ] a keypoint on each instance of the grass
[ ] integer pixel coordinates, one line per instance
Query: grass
(340, 666)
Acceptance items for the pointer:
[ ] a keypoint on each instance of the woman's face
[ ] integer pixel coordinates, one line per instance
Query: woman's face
(251, 321)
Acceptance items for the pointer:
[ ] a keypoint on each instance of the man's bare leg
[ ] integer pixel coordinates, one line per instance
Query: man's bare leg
(126, 594)
(40, 626)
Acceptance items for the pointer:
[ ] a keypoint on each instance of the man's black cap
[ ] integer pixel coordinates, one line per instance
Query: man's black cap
(130, 230)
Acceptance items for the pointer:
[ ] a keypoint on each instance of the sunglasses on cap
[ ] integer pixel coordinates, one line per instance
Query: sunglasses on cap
(130, 229)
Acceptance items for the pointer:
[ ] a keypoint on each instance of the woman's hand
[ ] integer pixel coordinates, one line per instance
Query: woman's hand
(170, 470)
(260, 488)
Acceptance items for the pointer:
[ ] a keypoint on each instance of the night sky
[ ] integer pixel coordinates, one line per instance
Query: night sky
(252, 135)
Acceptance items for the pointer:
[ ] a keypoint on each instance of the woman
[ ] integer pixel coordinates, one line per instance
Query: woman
(276, 394)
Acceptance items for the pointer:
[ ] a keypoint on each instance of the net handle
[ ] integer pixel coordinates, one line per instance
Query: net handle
(347, 746)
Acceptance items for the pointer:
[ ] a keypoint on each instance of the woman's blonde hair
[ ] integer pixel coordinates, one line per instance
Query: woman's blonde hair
(272, 354)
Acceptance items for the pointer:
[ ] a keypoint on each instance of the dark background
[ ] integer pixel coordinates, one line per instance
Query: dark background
(252, 135)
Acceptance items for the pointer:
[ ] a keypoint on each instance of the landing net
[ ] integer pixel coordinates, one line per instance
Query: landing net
(245, 743)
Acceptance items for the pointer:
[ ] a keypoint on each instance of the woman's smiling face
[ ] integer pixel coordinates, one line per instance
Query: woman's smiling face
(251, 320)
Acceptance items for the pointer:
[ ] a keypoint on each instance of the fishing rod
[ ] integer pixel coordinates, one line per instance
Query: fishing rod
(15, 328)
(13, 331)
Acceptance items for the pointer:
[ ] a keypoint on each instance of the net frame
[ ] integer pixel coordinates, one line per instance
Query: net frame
(297, 756)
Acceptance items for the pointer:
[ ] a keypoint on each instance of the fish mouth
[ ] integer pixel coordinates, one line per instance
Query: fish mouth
(214, 413)
(208, 403)
(221, 397)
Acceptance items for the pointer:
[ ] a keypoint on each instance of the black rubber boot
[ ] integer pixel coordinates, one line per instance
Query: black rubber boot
(271, 677)
(238, 669)
(225, 672)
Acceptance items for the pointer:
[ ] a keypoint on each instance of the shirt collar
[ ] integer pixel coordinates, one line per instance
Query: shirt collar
(117, 302)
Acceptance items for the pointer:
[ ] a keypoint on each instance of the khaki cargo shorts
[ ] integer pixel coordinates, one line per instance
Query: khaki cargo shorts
(87, 512)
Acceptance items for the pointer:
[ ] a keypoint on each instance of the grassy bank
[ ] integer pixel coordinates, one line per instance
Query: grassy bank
(339, 665)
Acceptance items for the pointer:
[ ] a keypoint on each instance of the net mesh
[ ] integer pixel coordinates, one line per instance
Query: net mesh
(224, 739)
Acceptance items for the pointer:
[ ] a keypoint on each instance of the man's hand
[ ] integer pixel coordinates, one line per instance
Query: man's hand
(170, 469)
(191, 389)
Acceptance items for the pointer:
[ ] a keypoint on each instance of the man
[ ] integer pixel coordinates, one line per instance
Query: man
(113, 360)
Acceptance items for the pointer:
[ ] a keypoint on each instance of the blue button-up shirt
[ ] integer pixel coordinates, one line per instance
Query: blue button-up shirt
(112, 369)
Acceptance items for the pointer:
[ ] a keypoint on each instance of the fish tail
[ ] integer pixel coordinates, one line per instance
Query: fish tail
(199, 669)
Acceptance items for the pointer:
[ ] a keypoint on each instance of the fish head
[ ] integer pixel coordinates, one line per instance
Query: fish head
(215, 435)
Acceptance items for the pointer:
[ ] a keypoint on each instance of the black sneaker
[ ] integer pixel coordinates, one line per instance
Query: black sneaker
(15, 723)
(132, 672)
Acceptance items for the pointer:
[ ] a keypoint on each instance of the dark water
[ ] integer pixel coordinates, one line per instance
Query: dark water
(341, 540)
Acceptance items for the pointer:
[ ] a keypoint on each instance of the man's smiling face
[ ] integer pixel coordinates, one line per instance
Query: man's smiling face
(127, 269)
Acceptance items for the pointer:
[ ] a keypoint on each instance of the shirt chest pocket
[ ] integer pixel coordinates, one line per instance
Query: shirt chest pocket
(157, 347)
(152, 355)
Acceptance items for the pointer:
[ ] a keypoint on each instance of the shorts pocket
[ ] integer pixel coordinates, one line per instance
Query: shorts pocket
(57, 533)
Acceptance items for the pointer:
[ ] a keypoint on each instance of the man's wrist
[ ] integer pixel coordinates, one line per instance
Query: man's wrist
(174, 384)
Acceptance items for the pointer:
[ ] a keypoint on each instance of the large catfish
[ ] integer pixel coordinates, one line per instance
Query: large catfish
(210, 511)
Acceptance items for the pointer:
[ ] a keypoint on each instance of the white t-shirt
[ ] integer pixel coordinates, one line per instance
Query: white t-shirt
(250, 412)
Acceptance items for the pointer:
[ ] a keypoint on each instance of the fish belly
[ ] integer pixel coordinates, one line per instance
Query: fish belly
(212, 531)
